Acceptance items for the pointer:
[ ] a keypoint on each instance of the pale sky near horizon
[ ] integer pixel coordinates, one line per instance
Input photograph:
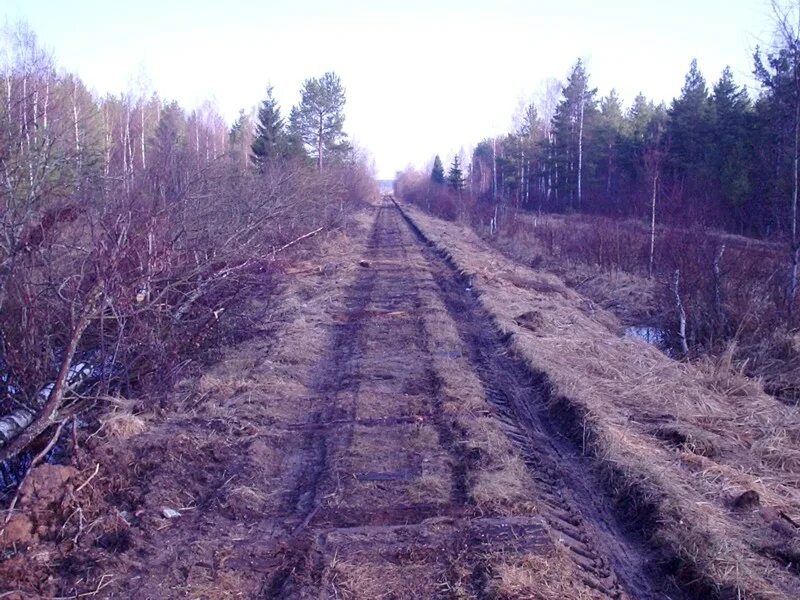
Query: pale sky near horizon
(422, 77)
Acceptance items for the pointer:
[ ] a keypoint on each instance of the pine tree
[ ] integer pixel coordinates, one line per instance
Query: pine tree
(780, 77)
(640, 141)
(689, 131)
(270, 138)
(529, 137)
(437, 172)
(575, 115)
(732, 152)
(481, 170)
(168, 153)
(236, 131)
(318, 120)
(455, 177)
(609, 133)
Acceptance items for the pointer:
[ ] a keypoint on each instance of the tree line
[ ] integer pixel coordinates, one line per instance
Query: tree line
(315, 129)
(715, 154)
(655, 189)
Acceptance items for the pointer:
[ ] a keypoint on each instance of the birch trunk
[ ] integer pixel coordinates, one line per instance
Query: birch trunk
(124, 156)
(107, 133)
(494, 170)
(24, 127)
(795, 249)
(36, 116)
(681, 313)
(549, 182)
(8, 98)
(54, 395)
(653, 226)
(144, 161)
(75, 120)
(127, 157)
(580, 146)
(319, 144)
(46, 102)
(717, 268)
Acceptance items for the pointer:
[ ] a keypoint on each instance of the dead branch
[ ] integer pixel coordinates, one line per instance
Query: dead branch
(92, 476)
(297, 240)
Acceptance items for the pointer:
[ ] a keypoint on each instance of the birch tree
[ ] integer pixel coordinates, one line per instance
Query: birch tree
(780, 75)
(570, 121)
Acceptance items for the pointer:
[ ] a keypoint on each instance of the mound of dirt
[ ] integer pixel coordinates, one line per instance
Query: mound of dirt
(41, 502)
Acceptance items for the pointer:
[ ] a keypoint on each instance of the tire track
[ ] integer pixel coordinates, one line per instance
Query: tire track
(338, 376)
(611, 561)
(375, 383)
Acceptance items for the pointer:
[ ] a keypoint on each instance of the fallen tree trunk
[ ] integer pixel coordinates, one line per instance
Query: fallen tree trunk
(53, 394)
(12, 424)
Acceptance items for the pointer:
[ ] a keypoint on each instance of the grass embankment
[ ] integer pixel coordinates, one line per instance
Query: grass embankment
(681, 449)
(731, 287)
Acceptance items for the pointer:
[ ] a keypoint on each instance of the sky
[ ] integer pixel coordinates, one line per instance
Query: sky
(422, 77)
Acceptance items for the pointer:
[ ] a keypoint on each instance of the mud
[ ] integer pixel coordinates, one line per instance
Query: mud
(382, 443)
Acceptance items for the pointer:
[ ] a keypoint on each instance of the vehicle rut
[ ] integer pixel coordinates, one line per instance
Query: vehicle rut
(368, 444)
(611, 561)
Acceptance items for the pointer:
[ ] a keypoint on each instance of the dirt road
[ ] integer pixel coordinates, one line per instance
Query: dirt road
(428, 469)
(377, 439)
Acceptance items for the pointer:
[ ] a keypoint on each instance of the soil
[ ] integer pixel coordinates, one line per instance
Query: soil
(378, 437)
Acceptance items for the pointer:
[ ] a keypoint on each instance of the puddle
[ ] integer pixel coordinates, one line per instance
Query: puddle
(654, 336)
(13, 470)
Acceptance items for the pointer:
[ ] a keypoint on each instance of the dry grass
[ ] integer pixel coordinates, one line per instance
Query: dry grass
(432, 486)
(499, 481)
(368, 581)
(629, 296)
(123, 425)
(505, 489)
(620, 391)
(537, 577)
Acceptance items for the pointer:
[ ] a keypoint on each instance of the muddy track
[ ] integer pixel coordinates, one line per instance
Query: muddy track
(378, 429)
(611, 559)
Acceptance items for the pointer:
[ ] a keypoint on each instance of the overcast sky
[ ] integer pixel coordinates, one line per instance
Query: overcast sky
(422, 77)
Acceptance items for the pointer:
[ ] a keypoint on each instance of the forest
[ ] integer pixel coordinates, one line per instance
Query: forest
(716, 156)
(693, 202)
(129, 225)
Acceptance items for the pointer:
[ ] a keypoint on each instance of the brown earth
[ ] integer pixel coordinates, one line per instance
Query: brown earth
(408, 422)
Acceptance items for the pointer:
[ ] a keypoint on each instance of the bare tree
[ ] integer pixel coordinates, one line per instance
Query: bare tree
(653, 161)
(127, 262)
